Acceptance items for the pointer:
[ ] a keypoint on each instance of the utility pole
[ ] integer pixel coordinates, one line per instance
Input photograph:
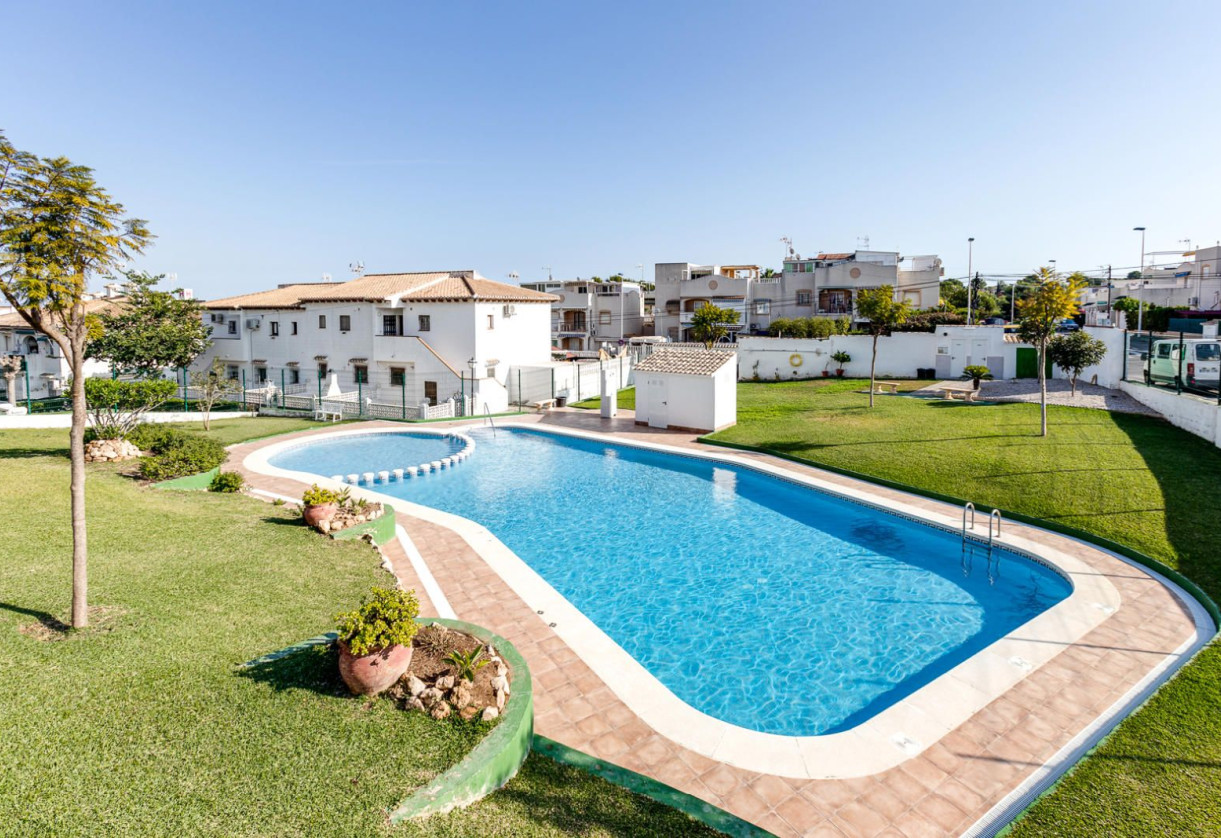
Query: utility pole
(1109, 316)
(970, 256)
(1140, 299)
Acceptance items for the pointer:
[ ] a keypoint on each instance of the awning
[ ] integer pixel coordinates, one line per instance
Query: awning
(358, 360)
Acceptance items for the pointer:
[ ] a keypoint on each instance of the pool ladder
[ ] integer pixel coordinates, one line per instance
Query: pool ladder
(488, 420)
(993, 569)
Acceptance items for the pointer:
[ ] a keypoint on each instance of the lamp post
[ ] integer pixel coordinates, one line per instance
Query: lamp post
(970, 257)
(1140, 300)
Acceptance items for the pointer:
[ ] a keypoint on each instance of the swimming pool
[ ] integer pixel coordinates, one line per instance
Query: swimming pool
(756, 600)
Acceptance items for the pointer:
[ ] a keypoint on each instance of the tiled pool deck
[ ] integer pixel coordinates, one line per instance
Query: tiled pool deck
(944, 790)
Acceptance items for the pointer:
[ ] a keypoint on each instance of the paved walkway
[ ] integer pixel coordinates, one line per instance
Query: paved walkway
(942, 791)
(1059, 392)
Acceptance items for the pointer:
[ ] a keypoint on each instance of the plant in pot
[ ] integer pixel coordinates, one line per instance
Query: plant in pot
(318, 504)
(976, 373)
(841, 357)
(375, 640)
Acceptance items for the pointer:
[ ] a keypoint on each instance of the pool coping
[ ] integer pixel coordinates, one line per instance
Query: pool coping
(889, 738)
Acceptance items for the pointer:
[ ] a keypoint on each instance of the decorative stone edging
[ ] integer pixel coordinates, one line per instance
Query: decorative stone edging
(370, 478)
(495, 760)
(491, 763)
(689, 805)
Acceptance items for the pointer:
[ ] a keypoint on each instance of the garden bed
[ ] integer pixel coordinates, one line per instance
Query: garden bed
(432, 684)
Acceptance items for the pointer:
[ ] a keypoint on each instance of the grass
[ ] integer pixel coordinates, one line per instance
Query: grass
(1134, 479)
(627, 401)
(141, 725)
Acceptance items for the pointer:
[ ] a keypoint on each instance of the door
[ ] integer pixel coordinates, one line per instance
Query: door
(958, 357)
(979, 351)
(430, 392)
(659, 408)
(1027, 362)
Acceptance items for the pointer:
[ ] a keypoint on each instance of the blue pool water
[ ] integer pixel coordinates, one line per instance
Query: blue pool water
(366, 452)
(758, 601)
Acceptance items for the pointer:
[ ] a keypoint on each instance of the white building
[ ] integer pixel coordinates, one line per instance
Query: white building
(827, 285)
(588, 315)
(46, 368)
(682, 288)
(391, 338)
(1194, 283)
(689, 390)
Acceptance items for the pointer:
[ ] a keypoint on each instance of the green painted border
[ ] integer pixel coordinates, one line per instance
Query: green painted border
(382, 528)
(190, 483)
(692, 806)
(495, 760)
(1105, 543)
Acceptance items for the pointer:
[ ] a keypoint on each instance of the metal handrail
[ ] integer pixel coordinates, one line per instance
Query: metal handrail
(968, 507)
(487, 416)
(994, 514)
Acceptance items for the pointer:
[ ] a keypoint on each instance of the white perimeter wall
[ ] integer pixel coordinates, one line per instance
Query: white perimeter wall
(1200, 416)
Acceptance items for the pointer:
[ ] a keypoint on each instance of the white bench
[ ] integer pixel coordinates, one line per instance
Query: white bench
(543, 404)
(883, 387)
(952, 393)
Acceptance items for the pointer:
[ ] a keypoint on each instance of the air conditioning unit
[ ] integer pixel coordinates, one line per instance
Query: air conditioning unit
(253, 323)
(510, 310)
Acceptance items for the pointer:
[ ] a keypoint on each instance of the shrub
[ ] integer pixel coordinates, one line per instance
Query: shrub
(227, 481)
(315, 495)
(116, 406)
(177, 455)
(841, 357)
(928, 321)
(155, 438)
(385, 619)
(466, 664)
(976, 372)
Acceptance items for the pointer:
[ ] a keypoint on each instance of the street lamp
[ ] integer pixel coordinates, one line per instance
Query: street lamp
(1140, 301)
(970, 256)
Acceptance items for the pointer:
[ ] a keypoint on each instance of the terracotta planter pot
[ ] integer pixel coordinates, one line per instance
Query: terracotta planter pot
(826, 373)
(839, 373)
(373, 673)
(319, 512)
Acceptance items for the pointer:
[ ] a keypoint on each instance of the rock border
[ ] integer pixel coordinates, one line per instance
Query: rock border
(496, 759)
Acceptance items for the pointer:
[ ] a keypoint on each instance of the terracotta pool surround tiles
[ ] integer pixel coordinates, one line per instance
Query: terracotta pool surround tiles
(957, 756)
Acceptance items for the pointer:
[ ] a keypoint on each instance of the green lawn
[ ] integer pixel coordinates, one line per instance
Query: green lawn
(142, 726)
(627, 401)
(1133, 479)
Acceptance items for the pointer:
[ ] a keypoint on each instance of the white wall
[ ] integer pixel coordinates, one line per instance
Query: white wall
(1191, 413)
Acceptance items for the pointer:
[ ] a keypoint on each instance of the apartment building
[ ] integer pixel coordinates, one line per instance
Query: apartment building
(414, 337)
(589, 315)
(683, 287)
(45, 370)
(827, 285)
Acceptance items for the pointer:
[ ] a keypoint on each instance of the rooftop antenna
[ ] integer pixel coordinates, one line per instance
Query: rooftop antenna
(513, 276)
(865, 239)
(788, 247)
(1186, 242)
(357, 267)
(326, 277)
(547, 268)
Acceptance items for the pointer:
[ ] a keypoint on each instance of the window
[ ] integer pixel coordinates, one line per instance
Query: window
(345, 322)
(294, 327)
(231, 372)
(392, 324)
(604, 318)
(430, 392)
(1207, 352)
(803, 298)
(763, 306)
(218, 318)
(361, 374)
(1163, 350)
(673, 333)
(233, 327)
(322, 370)
(261, 374)
(397, 377)
(321, 321)
(294, 374)
(425, 322)
(275, 328)
(491, 321)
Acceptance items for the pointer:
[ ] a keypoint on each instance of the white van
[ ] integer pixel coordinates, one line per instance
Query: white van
(1200, 362)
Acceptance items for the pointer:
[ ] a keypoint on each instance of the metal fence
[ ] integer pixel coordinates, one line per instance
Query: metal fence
(571, 382)
(1185, 362)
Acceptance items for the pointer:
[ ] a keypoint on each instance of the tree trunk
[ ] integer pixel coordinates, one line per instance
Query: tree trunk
(80, 576)
(1043, 386)
(873, 362)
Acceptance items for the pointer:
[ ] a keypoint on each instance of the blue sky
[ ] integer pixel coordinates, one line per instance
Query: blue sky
(274, 141)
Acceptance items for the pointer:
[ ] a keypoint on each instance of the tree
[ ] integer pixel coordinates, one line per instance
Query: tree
(151, 330)
(1074, 352)
(884, 314)
(1134, 275)
(116, 407)
(953, 293)
(211, 386)
(1039, 315)
(709, 322)
(768, 273)
(58, 229)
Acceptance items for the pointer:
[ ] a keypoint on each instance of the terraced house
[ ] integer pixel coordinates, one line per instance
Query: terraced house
(398, 338)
